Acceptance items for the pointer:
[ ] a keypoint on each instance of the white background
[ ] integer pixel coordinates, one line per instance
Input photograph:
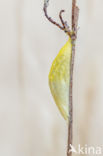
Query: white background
(30, 124)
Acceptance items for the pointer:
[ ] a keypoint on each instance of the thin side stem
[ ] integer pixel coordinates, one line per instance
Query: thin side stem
(61, 19)
(64, 25)
(51, 20)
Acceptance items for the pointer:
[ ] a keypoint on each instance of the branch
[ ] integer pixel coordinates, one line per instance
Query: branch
(73, 35)
(75, 15)
(64, 26)
(64, 23)
(60, 16)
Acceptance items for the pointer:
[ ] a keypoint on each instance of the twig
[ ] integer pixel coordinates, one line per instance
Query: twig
(61, 19)
(64, 23)
(75, 14)
(73, 34)
(51, 20)
(64, 26)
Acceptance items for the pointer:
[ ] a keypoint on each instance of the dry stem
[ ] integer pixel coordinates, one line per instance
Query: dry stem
(75, 14)
(64, 26)
(73, 34)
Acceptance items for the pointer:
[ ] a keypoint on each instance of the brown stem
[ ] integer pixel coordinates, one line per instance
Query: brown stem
(73, 34)
(60, 16)
(64, 26)
(64, 23)
(75, 13)
(51, 20)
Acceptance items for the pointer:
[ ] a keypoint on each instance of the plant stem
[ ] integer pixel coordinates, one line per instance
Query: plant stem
(75, 13)
(73, 35)
(64, 26)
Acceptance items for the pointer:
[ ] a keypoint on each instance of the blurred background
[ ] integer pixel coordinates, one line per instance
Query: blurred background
(30, 123)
